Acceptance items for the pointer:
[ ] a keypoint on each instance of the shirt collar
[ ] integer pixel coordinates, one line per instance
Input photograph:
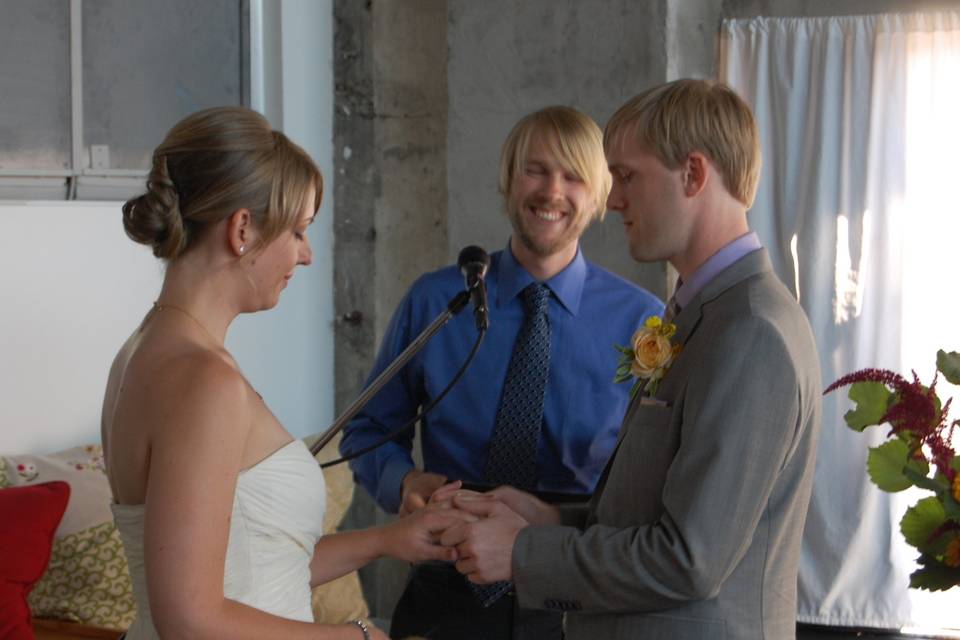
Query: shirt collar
(567, 286)
(716, 263)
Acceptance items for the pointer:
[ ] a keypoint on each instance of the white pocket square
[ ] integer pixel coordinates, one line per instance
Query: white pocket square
(650, 401)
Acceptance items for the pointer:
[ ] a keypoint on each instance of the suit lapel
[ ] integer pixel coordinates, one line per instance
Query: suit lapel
(687, 321)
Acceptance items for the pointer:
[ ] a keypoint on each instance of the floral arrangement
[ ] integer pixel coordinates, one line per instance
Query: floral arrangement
(920, 437)
(649, 357)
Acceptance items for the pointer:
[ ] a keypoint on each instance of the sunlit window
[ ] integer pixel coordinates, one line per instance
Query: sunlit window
(931, 244)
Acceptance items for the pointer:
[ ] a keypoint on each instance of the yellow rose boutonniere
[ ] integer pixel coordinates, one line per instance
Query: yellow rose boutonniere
(649, 357)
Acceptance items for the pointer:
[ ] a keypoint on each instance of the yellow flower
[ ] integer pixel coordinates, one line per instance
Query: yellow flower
(952, 557)
(649, 355)
(652, 353)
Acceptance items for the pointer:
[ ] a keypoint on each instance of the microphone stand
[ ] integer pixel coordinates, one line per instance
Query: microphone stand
(454, 307)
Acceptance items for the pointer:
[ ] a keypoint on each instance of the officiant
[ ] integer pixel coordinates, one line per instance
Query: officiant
(537, 408)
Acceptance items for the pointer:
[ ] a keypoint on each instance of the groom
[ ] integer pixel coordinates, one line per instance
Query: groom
(695, 526)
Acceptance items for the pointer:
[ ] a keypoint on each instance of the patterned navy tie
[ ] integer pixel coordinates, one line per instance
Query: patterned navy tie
(516, 432)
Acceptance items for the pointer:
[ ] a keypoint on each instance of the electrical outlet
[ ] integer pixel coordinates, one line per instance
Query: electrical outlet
(99, 156)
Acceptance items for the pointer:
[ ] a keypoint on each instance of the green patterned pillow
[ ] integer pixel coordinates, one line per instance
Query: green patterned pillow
(87, 579)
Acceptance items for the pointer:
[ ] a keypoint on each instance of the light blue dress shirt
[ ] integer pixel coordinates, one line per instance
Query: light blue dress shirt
(712, 266)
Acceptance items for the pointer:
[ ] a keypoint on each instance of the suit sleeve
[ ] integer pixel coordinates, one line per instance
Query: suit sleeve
(738, 427)
(381, 471)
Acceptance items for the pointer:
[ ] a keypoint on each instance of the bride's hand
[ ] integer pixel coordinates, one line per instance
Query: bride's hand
(416, 537)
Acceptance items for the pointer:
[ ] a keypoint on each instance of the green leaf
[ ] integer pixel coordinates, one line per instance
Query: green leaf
(909, 438)
(949, 365)
(886, 464)
(872, 400)
(951, 506)
(916, 472)
(943, 482)
(920, 521)
(934, 575)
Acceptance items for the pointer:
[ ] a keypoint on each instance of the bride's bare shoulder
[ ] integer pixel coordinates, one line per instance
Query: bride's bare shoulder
(179, 382)
(199, 375)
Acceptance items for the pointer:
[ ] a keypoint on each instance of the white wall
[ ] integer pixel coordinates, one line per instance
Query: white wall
(287, 353)
(73, 286)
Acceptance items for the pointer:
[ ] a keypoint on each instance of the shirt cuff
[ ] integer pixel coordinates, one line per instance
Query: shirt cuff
(391, 480)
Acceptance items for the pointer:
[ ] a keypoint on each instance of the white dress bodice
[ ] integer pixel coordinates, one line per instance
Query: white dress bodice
(277, 519)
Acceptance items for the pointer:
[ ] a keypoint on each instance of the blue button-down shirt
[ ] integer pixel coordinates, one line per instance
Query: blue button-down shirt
(590, 310)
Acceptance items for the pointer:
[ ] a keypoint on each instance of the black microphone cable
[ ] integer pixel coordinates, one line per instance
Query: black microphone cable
(413, 421)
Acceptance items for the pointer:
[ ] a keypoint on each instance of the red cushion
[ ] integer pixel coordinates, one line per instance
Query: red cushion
(29, 516)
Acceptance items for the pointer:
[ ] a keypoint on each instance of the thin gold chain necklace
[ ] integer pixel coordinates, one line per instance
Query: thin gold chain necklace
(161, 307)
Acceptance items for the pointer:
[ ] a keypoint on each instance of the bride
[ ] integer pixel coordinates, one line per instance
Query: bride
(220, 509)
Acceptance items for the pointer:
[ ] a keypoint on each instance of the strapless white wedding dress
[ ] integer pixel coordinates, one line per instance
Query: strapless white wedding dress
(277, 519)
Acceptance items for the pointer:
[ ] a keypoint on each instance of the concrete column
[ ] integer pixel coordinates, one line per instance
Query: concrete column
(390, 128)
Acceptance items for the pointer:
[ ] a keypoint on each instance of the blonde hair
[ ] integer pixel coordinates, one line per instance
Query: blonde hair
(675, 119)
(213, 163)
(570, 136)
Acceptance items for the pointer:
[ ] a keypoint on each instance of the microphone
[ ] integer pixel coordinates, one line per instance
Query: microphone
(473, 263)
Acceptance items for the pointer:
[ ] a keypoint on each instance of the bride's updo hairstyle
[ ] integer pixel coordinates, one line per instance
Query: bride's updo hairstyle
(211, 164)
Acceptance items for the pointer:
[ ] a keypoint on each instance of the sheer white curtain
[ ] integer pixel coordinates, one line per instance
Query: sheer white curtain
(858, 206)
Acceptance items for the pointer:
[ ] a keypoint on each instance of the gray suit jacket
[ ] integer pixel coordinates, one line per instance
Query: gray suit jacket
(694, 529)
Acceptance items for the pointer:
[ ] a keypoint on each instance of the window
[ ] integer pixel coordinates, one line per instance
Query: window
(90, 88)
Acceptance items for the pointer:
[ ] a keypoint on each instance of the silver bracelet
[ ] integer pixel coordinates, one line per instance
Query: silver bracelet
(363, 628)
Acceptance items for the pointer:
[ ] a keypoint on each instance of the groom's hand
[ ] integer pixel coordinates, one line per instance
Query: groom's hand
(485, 547)
(529, 507)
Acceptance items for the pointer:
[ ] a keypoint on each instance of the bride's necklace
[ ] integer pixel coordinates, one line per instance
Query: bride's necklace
(161, 307)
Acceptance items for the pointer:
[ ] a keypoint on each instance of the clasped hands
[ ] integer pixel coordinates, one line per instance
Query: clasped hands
(479, 529)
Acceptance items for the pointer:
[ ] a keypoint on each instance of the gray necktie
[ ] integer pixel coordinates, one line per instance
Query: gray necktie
(673, 308)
